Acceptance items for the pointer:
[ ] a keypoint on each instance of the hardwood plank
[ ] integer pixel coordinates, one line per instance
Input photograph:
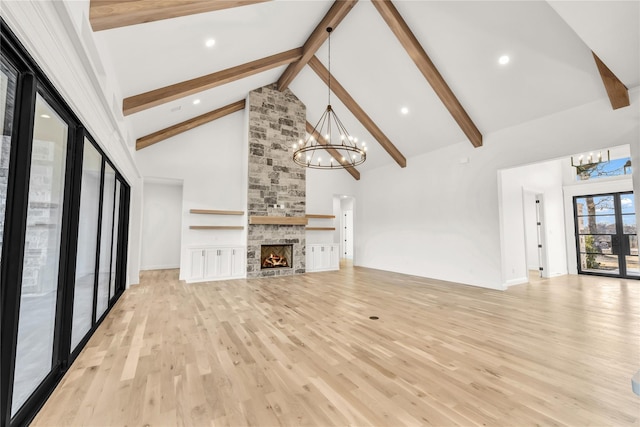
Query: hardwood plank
(277, 220)
(339, 9)
(216, 227)
(357, 111)
(320, 216)
(413, 47)
(301, 350)
(616, 90)
(179, 128)
(214, 212)
(333, 152)
(107, 14)
(153, 98)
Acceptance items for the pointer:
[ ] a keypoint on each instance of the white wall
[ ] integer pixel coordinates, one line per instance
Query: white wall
(57, 36)
(161, 225)
(322, 187)
(439, 217)
(544, 178)
(210, 160)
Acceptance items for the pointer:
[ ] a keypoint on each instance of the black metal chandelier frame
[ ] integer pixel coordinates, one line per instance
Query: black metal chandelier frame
(344, 153)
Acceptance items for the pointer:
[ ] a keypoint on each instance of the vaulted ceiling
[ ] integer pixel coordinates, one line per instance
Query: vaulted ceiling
(439, 59)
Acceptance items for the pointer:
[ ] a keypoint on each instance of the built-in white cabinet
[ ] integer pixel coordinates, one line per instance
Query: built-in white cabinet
(215, 263)
(323, 257)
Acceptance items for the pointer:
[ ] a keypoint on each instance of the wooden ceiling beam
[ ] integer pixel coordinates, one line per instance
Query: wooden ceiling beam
(411, 44)
(136, 103)
(334, 153)
(334, 16)
(107, 14)
(174, 130)
(357, 111)
(616, 90)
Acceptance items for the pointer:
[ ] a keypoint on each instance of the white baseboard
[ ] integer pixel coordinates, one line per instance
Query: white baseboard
(160, 267)
(516, 281)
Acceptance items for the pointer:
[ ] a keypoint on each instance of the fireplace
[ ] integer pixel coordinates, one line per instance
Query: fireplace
(276, 256)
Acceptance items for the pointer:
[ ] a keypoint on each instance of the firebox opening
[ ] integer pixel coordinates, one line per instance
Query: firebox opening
(276, 256)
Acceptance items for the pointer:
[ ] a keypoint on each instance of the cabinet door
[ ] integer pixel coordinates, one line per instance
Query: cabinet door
(237, 262)
(196, 264)
(334, 257)
(224, 262)
(210, 263)
(321, 258)
(310, 266)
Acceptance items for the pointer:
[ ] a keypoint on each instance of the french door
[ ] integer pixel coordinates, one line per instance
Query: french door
(606, 235)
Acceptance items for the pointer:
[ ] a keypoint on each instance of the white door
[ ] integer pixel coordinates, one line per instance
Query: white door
(237, 262)
(196, 264)
(224, 262)
(210, 263)
(346, 232)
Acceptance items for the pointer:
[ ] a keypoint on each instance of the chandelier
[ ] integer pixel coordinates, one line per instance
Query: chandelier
(588, 162)
(329, 145)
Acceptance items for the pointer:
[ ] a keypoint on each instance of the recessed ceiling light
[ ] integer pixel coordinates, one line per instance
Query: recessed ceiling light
(404, 110)
(196, 101)
(45, 116)
(210, 43)
(503, 60)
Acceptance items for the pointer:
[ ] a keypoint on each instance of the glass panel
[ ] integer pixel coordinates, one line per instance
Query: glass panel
(614, 167)
(87, 243)
(105, 240)
(597, 224)
(8, 78)
(633, 265)
(596, 205)
(633, 244)
(599, 263)
(629, 224)
(114, 249)
(41, 254)
(627, 203)
(599, 244)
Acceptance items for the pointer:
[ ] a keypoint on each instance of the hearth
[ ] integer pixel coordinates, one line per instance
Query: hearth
(276, 256)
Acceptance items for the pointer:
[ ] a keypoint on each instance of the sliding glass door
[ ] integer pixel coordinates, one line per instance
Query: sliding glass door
(8, 82)
(87, 243)
(41, 261)
(63, 220)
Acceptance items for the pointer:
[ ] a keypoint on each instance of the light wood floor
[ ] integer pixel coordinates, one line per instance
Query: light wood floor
(303, 351)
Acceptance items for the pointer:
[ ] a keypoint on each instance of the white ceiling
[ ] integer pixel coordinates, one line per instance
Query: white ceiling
(551, 67)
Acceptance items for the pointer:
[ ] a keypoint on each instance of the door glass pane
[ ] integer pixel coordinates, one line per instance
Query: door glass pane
(598, 244)
(599, 263)
(627, 204)
(41, 254)
(629, 224)
(105, 240)
(87, 243)
(595, 205)
(605, 224)
(114, 249)
(8, 78)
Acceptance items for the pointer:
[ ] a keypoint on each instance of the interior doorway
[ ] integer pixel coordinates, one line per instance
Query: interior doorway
(162, 224)
(606, 235)
(345, 207)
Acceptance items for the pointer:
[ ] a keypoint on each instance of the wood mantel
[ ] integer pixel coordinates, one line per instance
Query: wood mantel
(277, 220)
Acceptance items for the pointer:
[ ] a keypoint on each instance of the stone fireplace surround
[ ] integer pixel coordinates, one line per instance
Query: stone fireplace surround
(277, 187)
